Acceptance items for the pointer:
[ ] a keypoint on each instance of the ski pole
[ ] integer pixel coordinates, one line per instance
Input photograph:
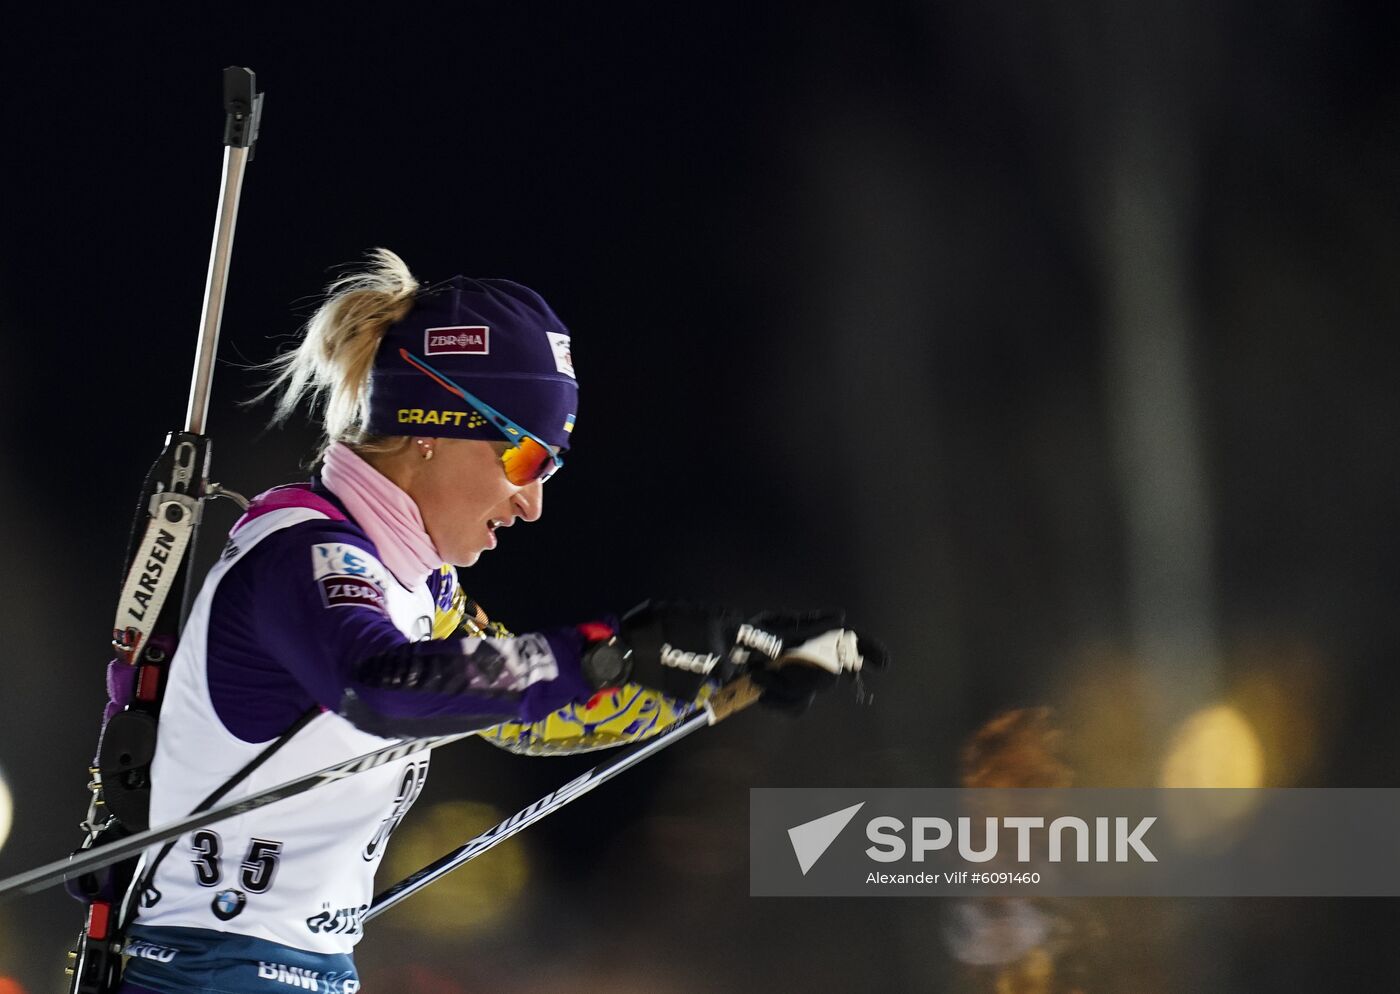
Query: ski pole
(87, 860)
(727, 701)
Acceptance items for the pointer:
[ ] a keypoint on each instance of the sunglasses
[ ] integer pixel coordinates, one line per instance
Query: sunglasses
(528, 459)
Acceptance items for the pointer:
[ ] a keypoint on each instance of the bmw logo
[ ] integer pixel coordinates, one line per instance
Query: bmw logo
(228, 904)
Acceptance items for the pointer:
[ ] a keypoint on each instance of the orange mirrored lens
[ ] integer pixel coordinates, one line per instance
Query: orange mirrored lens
(527, 462)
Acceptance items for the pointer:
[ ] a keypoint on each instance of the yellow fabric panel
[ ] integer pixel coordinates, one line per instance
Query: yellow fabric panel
(629, 714)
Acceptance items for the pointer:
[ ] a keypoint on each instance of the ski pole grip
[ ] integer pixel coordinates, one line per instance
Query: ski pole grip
(242, 107)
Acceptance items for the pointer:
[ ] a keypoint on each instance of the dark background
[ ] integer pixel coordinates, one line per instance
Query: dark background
(1055, 342)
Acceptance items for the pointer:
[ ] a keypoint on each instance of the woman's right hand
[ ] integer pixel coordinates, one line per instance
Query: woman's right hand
(792, 655)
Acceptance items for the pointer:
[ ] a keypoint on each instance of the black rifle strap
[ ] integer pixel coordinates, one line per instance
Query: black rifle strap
(139, 885)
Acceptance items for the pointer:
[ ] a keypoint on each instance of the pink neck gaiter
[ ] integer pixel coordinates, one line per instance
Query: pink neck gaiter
(387, 514)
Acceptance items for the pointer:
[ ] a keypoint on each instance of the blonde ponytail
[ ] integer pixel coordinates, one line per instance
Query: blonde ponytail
(331, 366)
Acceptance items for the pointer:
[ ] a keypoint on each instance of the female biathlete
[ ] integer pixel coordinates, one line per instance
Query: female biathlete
(334, 621)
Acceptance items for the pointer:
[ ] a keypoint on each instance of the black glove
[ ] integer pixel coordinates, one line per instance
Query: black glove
(814, 651)
(677, 646)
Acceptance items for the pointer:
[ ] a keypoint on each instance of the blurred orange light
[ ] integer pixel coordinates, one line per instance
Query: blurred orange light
(477, 896)
(1215, 747)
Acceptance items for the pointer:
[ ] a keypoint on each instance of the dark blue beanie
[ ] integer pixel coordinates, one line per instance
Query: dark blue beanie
(495, 339)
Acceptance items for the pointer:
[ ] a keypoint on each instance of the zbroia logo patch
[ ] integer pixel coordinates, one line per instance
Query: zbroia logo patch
(348, 577)
(463, 340)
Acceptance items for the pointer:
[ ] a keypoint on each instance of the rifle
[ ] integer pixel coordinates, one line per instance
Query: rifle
(158, 564)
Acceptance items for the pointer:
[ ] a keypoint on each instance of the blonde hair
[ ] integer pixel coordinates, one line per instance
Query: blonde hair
(331, 365)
